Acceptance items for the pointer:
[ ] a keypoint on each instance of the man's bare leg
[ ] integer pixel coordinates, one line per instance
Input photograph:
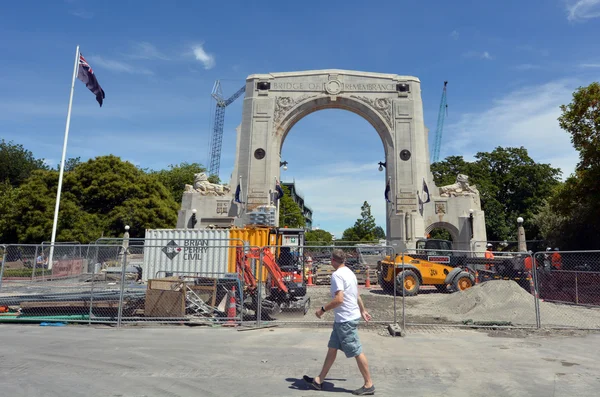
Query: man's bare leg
(363, 366)
(329, 360)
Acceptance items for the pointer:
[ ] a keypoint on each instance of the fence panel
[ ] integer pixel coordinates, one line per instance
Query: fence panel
(297, 282)
(70, 289)
(569, 287)
(466, 288)
(186, 281)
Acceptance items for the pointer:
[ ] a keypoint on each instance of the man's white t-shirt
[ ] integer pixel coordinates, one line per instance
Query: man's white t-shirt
(344, 279)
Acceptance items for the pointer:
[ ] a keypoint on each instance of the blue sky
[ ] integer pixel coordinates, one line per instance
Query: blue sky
(509, 64)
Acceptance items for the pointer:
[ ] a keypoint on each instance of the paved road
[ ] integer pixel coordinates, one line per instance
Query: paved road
(180, 361)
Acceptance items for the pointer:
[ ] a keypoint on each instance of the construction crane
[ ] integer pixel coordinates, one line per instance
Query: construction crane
(216, 141)
(440, 125)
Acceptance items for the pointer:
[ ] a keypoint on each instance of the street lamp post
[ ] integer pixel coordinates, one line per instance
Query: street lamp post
(521, 236)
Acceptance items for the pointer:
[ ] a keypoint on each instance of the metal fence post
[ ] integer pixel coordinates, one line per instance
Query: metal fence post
(120, 315)
(536, 295)
(259, 290)
(576, 290)
(35, 263)
(393, 256)
(3, 262)
(403, 297)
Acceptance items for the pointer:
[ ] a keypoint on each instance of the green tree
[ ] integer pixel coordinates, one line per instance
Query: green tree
(177, 176)
(99, 197)
(510, 183)
(379, 232)
(17, 163)
(290, 214)
(441, 234)
(318, 237)
(364, 228)
(8, 201)
(577, 201)
(70, 164)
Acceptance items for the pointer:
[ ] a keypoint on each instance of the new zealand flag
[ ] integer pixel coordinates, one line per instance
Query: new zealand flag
(279, 191)
(86, 74)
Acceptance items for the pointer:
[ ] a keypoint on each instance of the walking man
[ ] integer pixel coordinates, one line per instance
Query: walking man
(348, 308)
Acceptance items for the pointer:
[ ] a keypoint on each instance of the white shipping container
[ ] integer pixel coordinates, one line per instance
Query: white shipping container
(202, 251)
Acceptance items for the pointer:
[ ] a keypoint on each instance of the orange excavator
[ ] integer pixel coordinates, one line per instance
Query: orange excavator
(284, 290)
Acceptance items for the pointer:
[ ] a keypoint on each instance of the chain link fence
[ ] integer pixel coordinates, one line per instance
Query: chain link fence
(299, 280)
(569, 288)
(465, 288)
(234, 283)
(68, 289)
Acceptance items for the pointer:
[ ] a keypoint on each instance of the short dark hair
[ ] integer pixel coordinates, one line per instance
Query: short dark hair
(339, 255)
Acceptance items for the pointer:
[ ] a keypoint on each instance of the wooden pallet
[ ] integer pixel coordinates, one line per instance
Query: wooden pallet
(323, 275)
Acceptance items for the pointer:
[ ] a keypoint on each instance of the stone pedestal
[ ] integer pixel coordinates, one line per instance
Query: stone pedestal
(219, 211)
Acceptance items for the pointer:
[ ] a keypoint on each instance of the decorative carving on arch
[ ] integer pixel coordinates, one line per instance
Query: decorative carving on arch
(382, 105)
(283, 104)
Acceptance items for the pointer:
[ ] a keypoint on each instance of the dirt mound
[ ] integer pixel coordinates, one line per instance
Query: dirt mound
(500, 300)
(504, 300)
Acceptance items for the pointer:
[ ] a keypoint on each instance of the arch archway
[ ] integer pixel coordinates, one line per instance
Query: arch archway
(453, 230)
(391, 103)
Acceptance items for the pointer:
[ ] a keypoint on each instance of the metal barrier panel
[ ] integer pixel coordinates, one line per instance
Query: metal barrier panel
(190, 283)
(466, 288)
(72, 289)
(298, 282)
(569, 288)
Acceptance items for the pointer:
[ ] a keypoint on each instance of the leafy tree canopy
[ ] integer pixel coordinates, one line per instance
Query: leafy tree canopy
(99, 197)
(511, 184)
(290, 214)
(17, 163)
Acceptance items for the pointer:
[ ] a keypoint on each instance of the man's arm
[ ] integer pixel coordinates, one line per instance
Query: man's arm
(335, 302)
(363, 311)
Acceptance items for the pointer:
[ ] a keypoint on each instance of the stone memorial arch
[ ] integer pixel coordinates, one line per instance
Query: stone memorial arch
(392, 104)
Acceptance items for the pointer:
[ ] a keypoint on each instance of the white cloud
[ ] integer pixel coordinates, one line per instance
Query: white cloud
(525, 117)
(533, 50)
(590, 65)
(208, 60)
(145, 50)
(583, 9)
(82, 14)
(475, 54)
(455, 35)
(527, 66)
(116, 66)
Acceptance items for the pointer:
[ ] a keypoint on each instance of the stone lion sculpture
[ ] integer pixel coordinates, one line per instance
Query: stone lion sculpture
(460, 188)
(206, 188)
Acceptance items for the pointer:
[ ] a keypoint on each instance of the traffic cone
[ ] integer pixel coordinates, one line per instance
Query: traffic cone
(531, 285)
(368, 281)
(310, 281)
(231, 310)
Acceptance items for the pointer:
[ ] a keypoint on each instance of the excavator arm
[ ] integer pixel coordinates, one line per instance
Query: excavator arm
(244, 269)
(268, 260)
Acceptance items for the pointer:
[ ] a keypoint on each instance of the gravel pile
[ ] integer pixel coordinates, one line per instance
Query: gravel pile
(495, 301)
(502, 300)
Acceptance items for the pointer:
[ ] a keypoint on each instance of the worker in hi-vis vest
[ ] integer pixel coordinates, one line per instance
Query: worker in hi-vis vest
(489, 255)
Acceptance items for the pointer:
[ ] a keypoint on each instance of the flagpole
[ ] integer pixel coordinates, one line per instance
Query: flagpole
(62, 161)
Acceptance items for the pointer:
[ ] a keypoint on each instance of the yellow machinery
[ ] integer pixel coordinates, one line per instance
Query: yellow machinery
(411, 273)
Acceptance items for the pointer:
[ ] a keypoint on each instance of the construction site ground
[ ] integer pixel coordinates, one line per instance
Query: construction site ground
(501, 301)
(184, 361)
